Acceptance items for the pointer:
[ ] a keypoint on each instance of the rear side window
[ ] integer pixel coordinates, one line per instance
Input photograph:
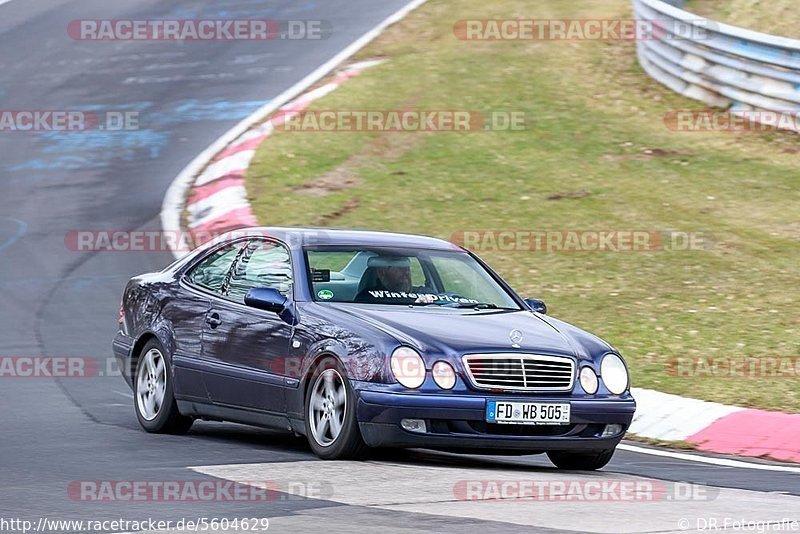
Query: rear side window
(265, 264)
(213, 270)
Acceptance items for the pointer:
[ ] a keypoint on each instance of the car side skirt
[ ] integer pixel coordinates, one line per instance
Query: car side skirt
(216, 412)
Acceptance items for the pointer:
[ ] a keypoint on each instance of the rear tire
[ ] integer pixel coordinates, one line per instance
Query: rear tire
(153, 397)
(580, 461)
(331, 426)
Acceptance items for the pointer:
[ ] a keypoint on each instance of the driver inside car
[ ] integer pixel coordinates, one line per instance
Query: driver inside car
(388, 280)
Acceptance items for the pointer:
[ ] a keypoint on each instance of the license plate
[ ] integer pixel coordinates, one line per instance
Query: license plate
(527, 413)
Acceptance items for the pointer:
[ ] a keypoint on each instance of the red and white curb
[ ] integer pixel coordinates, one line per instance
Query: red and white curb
(217, 201)
(717, 428)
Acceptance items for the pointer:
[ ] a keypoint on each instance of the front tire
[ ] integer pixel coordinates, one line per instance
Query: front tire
(580, 461)
(331, 426)
(153, 397)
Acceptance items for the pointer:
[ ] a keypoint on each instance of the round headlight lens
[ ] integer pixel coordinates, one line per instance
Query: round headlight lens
(444, 375)
(589, 381)
(408, 367)
(614, 374)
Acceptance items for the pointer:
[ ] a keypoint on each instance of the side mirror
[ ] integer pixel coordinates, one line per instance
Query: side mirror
(536, 305)
(266, 298)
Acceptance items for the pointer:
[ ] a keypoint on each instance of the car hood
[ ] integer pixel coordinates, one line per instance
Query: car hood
(441, 331)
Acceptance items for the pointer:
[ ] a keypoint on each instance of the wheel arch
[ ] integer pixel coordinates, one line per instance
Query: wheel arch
(139, 344)
(314, 362)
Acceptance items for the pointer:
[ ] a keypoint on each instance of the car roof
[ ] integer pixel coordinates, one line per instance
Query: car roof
(310, 236)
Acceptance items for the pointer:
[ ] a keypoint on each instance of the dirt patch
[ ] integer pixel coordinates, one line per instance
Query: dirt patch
(661, 153)
(338, 179)
(646, 154)
(348, 207)
(389, 146)
(393, 145)
(568, 194)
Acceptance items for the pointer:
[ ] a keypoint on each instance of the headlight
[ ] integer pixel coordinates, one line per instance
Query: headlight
(408, 367)
(614, 374)
(444, 375)
(589, 381)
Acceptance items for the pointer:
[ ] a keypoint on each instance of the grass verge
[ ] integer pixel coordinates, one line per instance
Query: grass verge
(596, 132)
(778, 17)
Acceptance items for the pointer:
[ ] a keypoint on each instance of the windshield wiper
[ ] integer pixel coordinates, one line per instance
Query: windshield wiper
(462, 305)
(479, 306)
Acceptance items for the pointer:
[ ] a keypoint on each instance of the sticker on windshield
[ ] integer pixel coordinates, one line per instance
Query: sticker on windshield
(325, 294)
(320, 275)
(429, 298)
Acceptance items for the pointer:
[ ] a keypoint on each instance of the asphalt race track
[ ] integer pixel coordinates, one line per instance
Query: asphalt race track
(59, 302)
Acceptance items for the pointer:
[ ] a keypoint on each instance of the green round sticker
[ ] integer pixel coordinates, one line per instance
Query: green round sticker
(325, 294)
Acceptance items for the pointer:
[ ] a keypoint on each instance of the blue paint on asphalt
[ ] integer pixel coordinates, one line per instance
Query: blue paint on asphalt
(180, 111)
(233, 9)
(61, 163)
(101, 108)
(22, 227)
(95, 149)
(197, 110)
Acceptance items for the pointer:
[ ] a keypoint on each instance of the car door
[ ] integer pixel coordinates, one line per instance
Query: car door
(187, 313)
(249, 345)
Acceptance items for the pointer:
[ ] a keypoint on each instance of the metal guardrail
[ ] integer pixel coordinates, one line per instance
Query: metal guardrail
(721, 65)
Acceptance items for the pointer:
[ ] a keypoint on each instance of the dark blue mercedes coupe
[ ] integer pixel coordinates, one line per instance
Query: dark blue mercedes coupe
(361, 339)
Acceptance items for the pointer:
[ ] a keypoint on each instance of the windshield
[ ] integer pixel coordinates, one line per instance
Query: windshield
(403, 277)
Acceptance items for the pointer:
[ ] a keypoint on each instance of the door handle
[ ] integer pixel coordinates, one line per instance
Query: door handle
(213, 319)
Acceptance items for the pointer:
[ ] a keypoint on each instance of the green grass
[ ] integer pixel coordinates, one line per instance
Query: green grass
(778, 17)
(595, 125)
(662, 443)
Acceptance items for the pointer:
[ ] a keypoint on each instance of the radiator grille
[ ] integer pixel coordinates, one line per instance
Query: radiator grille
(521, 372)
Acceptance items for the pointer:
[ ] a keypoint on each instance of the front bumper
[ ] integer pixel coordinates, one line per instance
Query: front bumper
(458, 422)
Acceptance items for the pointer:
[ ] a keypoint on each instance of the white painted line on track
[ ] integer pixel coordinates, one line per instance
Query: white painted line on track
(722, 462)
(173, 204)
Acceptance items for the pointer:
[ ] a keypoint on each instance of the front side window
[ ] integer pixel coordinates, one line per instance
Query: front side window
(403, 277)
(212, 272)
(265, 264)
